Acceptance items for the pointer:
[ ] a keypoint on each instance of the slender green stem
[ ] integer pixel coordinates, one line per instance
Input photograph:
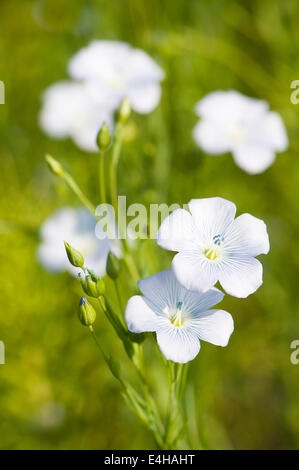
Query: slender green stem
(171, 381)
(105, 357)
(88, 204)
(75, 188)
(134, 353)
(174, 417)
(131, 395)
(116, 284)
(102, 177)
(113, 171)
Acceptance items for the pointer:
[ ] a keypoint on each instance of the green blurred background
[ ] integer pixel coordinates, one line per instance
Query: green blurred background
(55, 390)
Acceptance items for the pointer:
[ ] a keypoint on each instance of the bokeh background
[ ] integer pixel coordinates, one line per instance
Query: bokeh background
(55, 390)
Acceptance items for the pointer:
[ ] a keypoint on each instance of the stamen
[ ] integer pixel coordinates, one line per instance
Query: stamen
(177, 318)
(210, 254)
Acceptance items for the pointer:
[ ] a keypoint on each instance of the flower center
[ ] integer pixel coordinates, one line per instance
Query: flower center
(211, 254)
(238, 133)
(177, 319)
(214, 251)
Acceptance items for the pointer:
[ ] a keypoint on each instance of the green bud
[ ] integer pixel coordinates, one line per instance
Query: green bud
(93, 276)
(74, 256)
(101, 286)
(124, 111)
(54, 165)
(87, 314)
(104, 137)
(83, 283)
(113, 266)
(92, 285)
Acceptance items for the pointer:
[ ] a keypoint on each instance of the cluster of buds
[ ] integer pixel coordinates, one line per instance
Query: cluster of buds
(92, 285)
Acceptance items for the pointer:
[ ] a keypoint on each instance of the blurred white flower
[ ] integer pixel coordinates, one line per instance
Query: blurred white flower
(77, 227)
(232, 122)
(119, 71)
(48, 416)
(214, 246)
(75, 110)
(179, 317)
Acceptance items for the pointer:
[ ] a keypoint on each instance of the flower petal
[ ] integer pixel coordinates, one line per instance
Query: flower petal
(178, 344)
(144, 96)
(197, 302)
(247, 236)
(273, 132)
(213, 326)
(253, 158)
(211, 137)
(229, 106)
(142, 66)
(194, 271)
(139, 316)
(162, 289)
(212, 215)
(52, 257)
(241, 277)
(177, 232)
(98, 58)
(61, 104)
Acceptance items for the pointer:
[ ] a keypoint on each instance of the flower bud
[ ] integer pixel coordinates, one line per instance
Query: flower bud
(101, 286)
(74, 256)
(87, 314)
(112, 266)
(124, 111)
(54, 165)
(104, 137)
(92, 285)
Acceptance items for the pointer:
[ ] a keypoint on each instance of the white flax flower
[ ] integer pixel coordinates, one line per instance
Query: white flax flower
(180, 317)
(75, 110)
(214, 246)
(119, 71)
(232, 122)
(77, 227)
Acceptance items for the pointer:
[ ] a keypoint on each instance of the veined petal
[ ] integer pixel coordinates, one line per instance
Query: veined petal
(162, 289)
(211, 137)
(212, 216)
(253, 158)
(177, 232)
(194, 272)
(241, 277)
(139, 316)
(247, 236)
(197, 302)
(178, 344)
(213, 326)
